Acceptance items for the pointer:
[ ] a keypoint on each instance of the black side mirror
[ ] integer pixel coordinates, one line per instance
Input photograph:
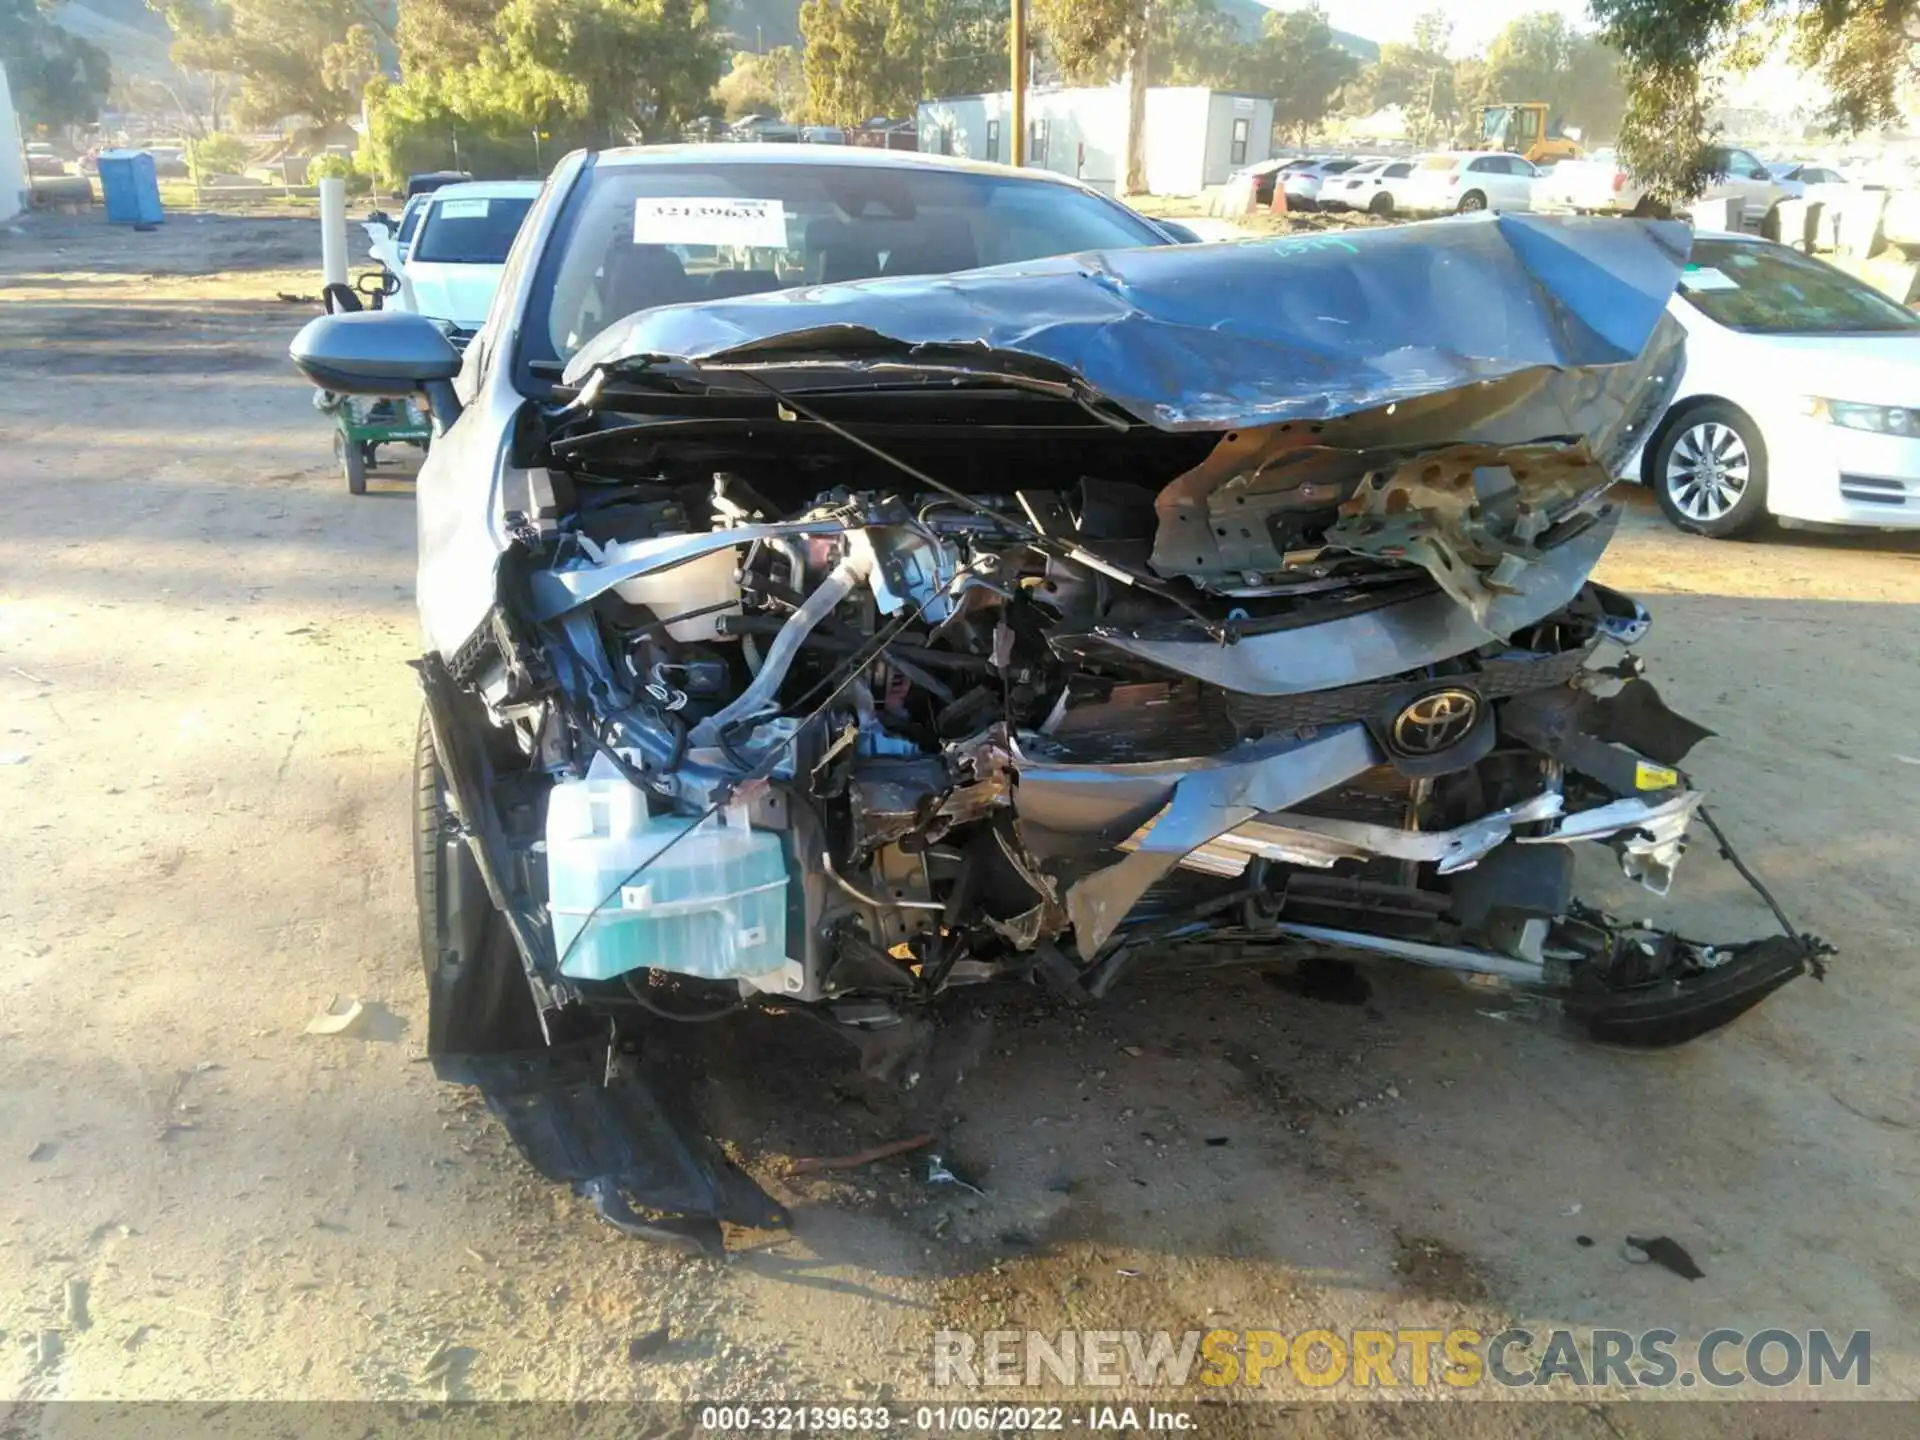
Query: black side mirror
(380, 352)
(1178, 233)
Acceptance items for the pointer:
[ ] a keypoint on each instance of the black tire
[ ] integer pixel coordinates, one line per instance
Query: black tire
(1381, 204)
(1708, 470)
(353, 463)
(477, 995)
(1471, 202)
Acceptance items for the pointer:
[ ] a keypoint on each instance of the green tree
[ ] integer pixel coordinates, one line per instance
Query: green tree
(1865, 51)
(1299, 63)
(1542, 57)
(443, 35)
(572, 72)
(1415, 75)
(882, 57)
(769, 84)
(1193, 42)
(56, 78)
(308, 58)
(1093, 40)
(217, 154)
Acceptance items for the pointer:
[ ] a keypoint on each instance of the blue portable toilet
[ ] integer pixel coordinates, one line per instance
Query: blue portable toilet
(129, 188)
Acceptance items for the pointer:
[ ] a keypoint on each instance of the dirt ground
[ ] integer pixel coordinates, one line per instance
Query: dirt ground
(206, 727)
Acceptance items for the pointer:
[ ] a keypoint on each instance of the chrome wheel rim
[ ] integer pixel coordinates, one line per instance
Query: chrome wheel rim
(1708, 471)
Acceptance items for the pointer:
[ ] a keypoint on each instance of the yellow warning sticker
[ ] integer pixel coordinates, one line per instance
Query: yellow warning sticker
(1654, 777)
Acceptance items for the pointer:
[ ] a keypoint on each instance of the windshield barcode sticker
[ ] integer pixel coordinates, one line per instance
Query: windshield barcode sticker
(701, 220)
(1705, 277)
(463, 209)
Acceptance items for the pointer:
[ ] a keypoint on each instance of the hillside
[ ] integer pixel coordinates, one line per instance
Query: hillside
(1250, 13)
(763, 24)
(134, 37)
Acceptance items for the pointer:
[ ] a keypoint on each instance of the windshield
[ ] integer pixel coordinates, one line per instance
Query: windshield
(410, 221)
(471, 230)
(1440, 162)
(637, 236)
(1770, 290)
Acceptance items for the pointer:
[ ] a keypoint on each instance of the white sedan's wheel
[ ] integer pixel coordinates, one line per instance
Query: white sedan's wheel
(1710, 472)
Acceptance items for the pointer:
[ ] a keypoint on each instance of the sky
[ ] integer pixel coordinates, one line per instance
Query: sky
(1475, 22)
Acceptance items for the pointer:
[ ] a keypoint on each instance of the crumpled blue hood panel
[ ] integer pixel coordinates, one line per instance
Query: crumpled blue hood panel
(1251, 332)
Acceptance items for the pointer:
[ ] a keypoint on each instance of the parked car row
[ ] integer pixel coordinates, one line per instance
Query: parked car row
(1441, 183)
(1447, 182)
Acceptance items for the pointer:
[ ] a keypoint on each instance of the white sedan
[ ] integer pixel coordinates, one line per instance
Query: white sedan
(1469, 180)
(1379, 187)
(1801, 397)
(458, 253)
(1304, 183)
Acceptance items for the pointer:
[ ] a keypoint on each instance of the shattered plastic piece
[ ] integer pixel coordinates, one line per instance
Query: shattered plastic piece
(337, 1019)
(939, 1174)
(613, 1139)
(695, 1236)
(1665, 1252)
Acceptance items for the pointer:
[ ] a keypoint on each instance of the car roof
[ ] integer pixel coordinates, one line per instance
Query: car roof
(487, 190)
(834, 157)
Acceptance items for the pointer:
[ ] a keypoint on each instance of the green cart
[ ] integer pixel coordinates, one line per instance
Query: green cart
(362, 424)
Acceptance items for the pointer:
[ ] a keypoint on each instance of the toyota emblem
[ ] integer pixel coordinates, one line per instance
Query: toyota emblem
(1435, 721)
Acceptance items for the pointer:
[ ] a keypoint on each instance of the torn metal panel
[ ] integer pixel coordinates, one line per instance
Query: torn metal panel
(1372, 644)
(1212, 337)
(1654, 831)
(1200, 800)
(557, 591)
(1468, 515)
(1321, 842)
(1238, 516)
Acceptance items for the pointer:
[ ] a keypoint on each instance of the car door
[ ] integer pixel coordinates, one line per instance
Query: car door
(1518, 182)
(1752, 183)
(1484, 175)
(1492, 176)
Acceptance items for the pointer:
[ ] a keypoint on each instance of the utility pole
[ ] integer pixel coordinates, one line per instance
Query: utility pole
(1017, 121)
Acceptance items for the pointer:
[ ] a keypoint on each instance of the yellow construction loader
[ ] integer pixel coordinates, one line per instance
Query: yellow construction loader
(1521, 129)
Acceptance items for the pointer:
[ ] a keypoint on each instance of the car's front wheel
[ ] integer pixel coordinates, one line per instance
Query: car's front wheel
(1381, 204)
(477, 995)
(1709, 472)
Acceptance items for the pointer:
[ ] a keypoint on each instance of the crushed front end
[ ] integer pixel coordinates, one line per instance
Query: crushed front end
(861, 642)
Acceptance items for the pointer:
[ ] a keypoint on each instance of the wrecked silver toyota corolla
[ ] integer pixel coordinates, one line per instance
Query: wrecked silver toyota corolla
(1142, 607)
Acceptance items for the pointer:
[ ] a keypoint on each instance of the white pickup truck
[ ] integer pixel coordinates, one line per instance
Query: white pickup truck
(1603, 185)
